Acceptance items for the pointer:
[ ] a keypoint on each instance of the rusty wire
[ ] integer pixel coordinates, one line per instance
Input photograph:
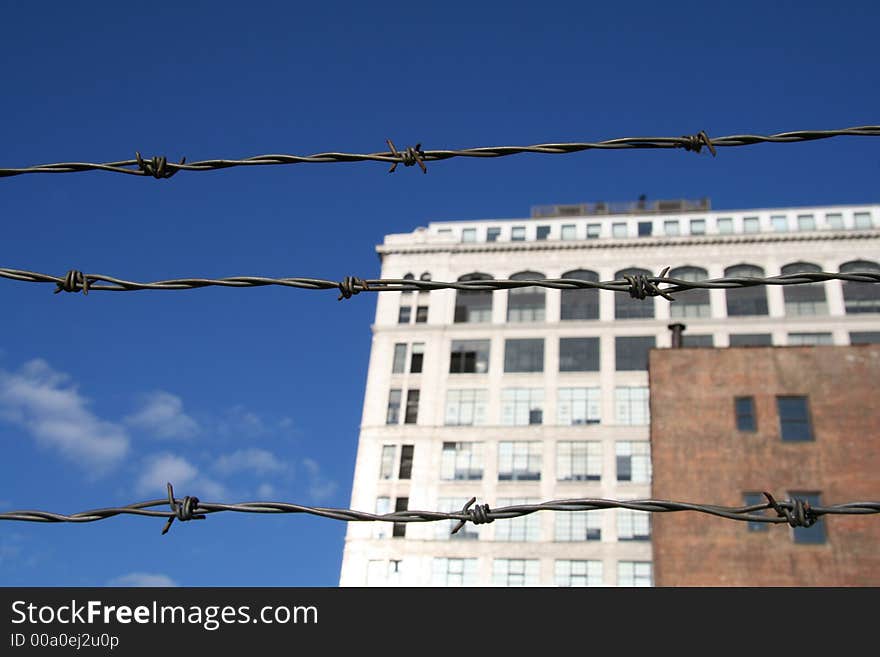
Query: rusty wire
(160, 167)
(794, 512)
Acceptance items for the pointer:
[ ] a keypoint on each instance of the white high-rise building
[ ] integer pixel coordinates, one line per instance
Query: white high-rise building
(537, 394)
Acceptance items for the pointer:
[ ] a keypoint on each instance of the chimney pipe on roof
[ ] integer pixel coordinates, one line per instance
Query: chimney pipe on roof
(677, 329)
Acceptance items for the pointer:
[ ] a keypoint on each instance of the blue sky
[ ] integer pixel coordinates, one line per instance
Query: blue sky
(244, 394)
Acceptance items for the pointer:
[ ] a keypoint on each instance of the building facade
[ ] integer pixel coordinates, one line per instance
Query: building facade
(793, 421)
(537, 394)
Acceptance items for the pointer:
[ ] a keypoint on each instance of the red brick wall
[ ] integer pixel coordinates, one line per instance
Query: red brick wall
(699, 456)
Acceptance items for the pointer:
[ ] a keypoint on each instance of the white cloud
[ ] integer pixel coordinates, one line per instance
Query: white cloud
(49, 407)
(142, 579)
(258, 461)
(320, 487)
(266, 491)
(160, 469)
(162, 415)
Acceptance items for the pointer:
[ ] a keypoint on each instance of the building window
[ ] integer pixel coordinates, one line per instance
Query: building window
(645, 228)
(694, 340)
(469, 357)
(698, 226)
(578, 406)
(469, 235)
(406, 462)
(404, 315)
(618, 230)
(473, 305)
(525, 304)
(461, 462)
(804, 298)
(634, 573)
(671, 228)
(631, 352)
(862, 220)
(753, 499)
(524, 355)
(399, 528)
(524, 528)
(580, 303)
(569, 232)
(466, 407)
(542, 233)
(750, 340)
(745, 301)
(518, 234)
(578, 526)
(744, 408)
(399, 362)
(579, 460)
(421, 314)
(834, 221)
(864, 337)
(468, 531)
(631, 405)
(751, 225)
(690, 303)
(633, 461)
(779, 222)
(633, 525)
(806, 222)
(492, 234)
(627, 307)
(794, 419)
(578, 573)
(381, 528)
(578, 354)
(519, 460)
(815, 533)
(725, 225)
(594, 231)
(393, 414)
(453, 572)
(515, 572)
(418, 356)
(802, 339)
(860, 297)
(412, 406)
(386, 469)
(407, 277)
(522, 406)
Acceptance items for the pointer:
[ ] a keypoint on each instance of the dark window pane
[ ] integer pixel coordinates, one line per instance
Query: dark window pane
(696, 340)
(492, 234)
(751, 499)
(815, 533)
(421, 314)
(393, 415)
(400, 504)
(864, 337)
(524, 355)
(645, 228)
(751, 340)
(418, 355)
(535, 416)
(631, 352)
(582, 303)
(804, 299)
(404, 315)
(861, 297)
(744, 408)
(579, 354)
(406, 461)
(794, 418)
(624, 468)
(473, 305)
(526, 304)
(469, 356)
(627, 307)
(543, 232)
(412, 407)
(746, 301)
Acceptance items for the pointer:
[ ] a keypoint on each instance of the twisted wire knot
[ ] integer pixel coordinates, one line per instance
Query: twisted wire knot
(74, 281)
(351, 285)
(410, 156)
(800, 514)
(479, 515)
(183, 511)
(640, 286)
(696, 142)
(156, 166)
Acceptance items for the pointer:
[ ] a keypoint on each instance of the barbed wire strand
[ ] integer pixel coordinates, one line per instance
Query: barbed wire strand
(639, 286)
(160, 167)
(795, 512)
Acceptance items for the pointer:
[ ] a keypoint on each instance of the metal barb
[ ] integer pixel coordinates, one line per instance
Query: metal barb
(351, 285)
(800, 513)
(641, 286)
(412, 155)
(157, 166)
(183, 511)
(74, 281)
(479, 515)
(696, 142)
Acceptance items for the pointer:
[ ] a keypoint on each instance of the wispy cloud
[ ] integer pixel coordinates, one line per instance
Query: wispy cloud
(320, 487)
(161, 413)
(239, 422)
(142, 579)
(253, 460)
(266, 491)
(160, 469)
(47, 405)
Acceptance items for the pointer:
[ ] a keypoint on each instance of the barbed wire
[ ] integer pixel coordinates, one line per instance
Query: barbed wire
(796, 512)
(639, 286)
(160, 167)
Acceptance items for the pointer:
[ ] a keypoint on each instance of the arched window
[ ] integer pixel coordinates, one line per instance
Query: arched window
(583, 303)
(690, 303)
(627, 307)
(408, 277)
(807, 298)
(744, 301)
(425, 276)
(860, 297)
(525, 304)
(473, 305)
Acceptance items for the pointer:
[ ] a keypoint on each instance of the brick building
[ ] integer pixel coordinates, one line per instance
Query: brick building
(727, 424)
